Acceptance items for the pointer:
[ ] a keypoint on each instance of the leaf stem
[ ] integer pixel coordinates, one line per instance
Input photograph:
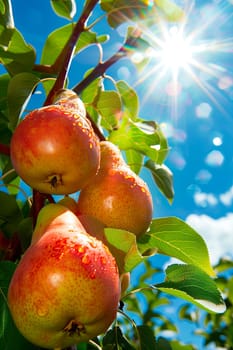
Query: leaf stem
(94, 344)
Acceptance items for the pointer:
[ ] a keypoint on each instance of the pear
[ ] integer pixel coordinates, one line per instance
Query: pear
(66, 287)
(51, 214)
(117, 196)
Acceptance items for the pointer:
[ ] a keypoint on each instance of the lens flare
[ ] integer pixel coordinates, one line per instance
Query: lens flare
(191, 55)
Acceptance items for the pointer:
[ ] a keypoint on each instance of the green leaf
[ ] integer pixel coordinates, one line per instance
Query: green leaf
(170, 10)
(90, 93)
(20, 88)
(134, 160)
(192, 284)
(55, 43)
(141, 136)
(147, 338)
(123, 246)
(10, 214)
(65, 8)
(58, 39)
(115, 340)
(6, 22)
(163, 178)
(120, 11)
(129, 98)
(87, 38)
(176, 345)
(109, 107)
(175, 238)
(18, 56)
(134, 43)
(162, 344)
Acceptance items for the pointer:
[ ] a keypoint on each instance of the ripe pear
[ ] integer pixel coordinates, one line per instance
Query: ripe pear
(70, 203)
(54, 148)
(116, 195)
(96, 228)
(66, 288)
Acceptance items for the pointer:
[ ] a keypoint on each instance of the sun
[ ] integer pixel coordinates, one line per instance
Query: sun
(187, 57)
(176, 51)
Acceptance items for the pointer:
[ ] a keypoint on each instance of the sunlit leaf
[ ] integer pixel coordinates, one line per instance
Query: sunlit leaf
(120, 11)
(123, 246)
(134, 160)
(141, 136)
(176, 345)
(192, 284)
(20, 89)
(18, 56)
(87, 38)
(163, 178)
(59, 37)
(91, 91)
(6, 22)
(170, 10)
(129, 98)
(109, 107)
(175, 238)
(65, 8)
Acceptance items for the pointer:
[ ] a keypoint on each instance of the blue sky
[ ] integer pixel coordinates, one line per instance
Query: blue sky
(195, 110)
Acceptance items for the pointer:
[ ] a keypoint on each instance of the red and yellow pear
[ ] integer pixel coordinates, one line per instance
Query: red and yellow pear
(54, 148)
(66, 288)
(117, 196)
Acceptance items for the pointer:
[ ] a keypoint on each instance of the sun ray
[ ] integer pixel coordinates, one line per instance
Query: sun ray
(188, 49)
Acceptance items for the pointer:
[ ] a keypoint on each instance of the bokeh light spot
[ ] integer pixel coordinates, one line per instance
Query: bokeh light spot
(203, 110)
(225, 82)
(217, 141)
(203, 176)
(214, 158)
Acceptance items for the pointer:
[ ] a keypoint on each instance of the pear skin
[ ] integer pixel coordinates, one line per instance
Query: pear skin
(69, 203)
(117, 196)
(51, 214)
(66, 288)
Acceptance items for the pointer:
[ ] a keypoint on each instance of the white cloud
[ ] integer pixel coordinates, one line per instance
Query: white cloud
(227, 197)
(217, 233)
(204, 199)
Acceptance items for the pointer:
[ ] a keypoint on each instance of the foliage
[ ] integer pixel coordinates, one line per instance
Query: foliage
(115, 114)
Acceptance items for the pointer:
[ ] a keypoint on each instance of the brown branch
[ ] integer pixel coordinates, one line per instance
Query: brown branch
(102, 67)
(95, 128)
(38, 203)
(44, 68)
(4, 149)
(99, 70)
(62, 63)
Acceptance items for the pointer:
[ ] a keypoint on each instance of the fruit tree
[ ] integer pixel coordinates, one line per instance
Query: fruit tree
(76, 215)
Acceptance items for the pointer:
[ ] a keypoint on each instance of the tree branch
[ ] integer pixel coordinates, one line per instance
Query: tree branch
(62, 63)
(102, 67)
(99, 70)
